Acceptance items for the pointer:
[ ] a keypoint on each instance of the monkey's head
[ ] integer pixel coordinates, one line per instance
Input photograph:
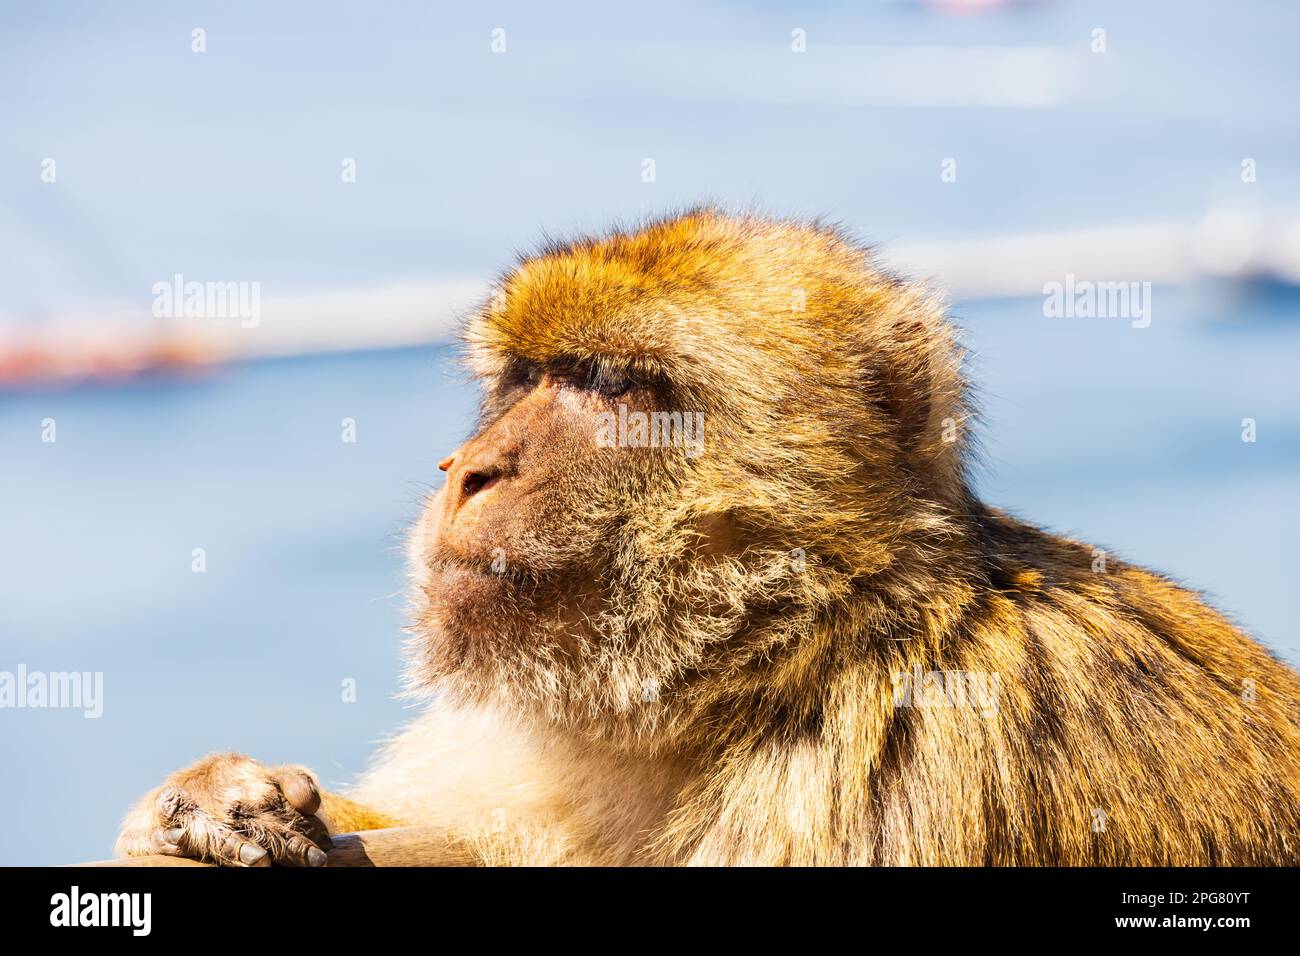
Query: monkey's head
(697, 440)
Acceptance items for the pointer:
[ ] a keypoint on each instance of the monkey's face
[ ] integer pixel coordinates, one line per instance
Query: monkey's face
(521, 557)
(675, 469)
(532, 503)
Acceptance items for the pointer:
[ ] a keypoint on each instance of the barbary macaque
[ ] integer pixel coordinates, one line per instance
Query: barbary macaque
(796, 637)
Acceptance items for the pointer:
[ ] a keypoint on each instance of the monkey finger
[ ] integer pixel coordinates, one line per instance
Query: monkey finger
(234, 850)
(173, 806)
(204, 839)
(317, 832)
(299, 790)
(175, 810)
(299, 851)
(167, 842)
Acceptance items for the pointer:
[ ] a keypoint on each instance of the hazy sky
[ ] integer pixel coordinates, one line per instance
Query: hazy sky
(227, 164)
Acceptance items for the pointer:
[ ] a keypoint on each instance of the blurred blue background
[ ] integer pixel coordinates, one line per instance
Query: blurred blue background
(226, 165)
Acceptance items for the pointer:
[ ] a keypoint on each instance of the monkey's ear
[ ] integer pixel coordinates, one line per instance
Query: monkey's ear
(908, 388)
(925, 395)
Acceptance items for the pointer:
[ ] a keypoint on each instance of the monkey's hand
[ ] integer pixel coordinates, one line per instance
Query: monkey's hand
(230, 810)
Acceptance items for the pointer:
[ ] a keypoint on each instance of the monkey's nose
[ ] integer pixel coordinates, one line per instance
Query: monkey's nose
(472, 482)
(446, 462)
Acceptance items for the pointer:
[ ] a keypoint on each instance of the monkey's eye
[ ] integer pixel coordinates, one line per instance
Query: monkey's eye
(522, 374)
(608, 382)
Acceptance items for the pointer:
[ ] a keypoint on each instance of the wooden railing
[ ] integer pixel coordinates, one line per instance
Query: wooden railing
(400, 846)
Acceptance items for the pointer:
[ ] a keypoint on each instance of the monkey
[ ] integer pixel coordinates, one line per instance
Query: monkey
(802, 640)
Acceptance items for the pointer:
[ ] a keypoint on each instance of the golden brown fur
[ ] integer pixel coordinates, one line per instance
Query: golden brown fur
(695, 658)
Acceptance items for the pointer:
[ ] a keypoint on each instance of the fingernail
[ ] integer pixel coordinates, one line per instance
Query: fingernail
(316, 857)
(250, 854)
(173, 836)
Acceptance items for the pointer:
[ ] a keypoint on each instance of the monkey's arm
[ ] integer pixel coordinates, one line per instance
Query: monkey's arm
(482, 788)
(468, 784)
